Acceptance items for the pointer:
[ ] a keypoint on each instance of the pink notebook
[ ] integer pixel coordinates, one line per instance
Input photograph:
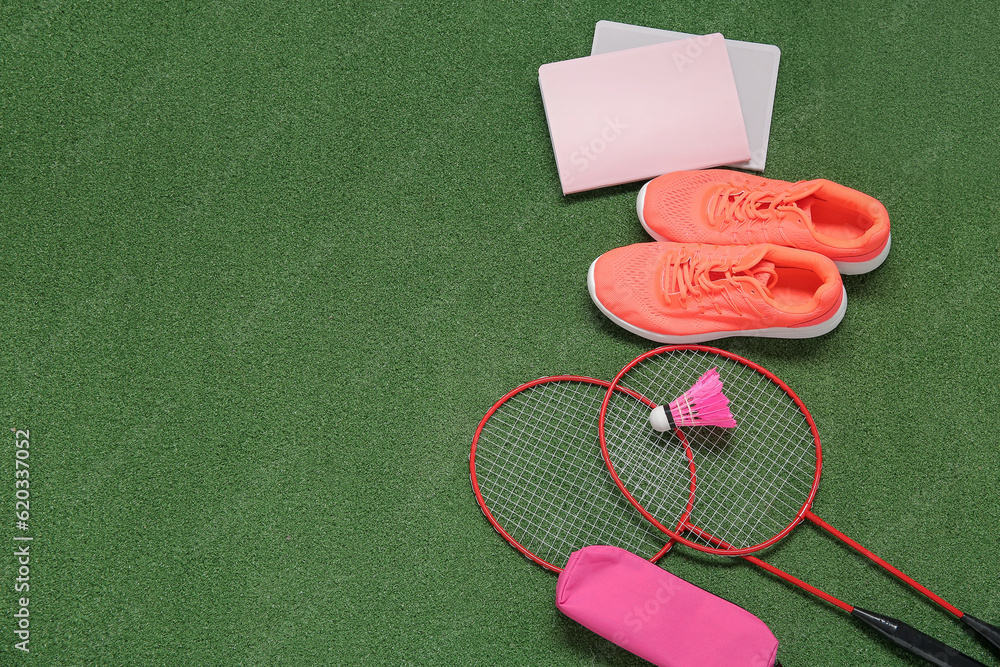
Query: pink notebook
(635, 114)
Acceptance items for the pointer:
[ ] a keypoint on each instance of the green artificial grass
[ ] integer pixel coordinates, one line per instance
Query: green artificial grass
(266, 265)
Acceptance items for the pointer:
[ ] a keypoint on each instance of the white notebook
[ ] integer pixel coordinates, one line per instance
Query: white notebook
(634, 114)
(755, 69)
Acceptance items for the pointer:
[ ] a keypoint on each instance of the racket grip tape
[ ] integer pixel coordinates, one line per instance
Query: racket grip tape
(990, 633)
(913, 640)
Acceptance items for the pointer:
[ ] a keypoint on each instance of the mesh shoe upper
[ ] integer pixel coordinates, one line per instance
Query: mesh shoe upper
(726, 207)
(672, 292)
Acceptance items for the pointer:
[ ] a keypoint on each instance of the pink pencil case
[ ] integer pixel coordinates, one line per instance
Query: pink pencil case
(658, 616)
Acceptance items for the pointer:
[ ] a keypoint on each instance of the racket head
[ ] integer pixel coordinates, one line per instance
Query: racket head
(752, 484)
(540, 479)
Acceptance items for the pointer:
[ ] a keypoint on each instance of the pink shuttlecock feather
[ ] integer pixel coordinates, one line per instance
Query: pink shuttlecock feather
(703, 404)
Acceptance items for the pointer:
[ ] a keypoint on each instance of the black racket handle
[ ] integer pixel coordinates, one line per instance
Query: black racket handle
(990, 633)
(915, 641)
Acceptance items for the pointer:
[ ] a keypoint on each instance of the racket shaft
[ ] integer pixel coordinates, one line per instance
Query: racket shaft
(914, 641)
(987, 631)
(795, 581)
(899, 574)
(900, 633)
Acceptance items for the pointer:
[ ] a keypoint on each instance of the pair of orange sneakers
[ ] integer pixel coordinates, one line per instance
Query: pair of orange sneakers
(740, 255)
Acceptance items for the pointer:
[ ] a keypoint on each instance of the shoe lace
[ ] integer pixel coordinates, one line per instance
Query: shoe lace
(691, 276)
(744, 206)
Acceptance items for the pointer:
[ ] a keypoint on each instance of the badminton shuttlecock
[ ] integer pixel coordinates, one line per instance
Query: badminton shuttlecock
(703, 404)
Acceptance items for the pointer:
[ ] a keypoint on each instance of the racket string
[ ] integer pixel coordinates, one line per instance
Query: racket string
(542, 478)
(751, 482)
(535, 476)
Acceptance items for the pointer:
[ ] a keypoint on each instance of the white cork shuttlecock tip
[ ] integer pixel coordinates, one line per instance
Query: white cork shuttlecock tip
(703, 404)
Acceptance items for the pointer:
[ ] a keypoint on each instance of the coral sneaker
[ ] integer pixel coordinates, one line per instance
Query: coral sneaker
(728, 207)
(692, 292)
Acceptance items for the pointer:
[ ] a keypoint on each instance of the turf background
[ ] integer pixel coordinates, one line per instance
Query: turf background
(267, 264)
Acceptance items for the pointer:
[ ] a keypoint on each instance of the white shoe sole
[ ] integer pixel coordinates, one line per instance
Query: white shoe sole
(857, 268)
(638, 209)
(824, 327)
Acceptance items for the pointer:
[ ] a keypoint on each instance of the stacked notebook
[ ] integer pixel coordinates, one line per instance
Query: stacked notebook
(647, 102)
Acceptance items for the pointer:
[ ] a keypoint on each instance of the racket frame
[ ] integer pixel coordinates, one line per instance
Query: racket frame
(475, 481)
(677, 534)
(909, 638)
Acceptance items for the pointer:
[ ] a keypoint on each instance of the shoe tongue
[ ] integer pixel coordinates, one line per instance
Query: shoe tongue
(765, 272)
(755, 266)
(802, 189)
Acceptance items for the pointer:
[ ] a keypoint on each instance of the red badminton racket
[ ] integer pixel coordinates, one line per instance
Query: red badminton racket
(751, 484)
(539, 477)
